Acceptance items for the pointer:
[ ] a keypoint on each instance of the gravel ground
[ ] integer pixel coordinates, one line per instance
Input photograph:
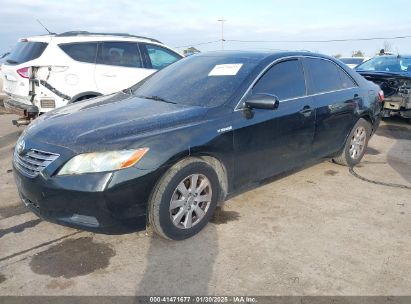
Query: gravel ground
(319, 231)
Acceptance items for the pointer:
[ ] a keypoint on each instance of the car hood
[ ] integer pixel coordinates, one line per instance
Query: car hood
(110, 118)
(389, 82)
(385, 74)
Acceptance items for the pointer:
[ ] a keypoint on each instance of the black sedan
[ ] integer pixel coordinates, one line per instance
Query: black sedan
(167, 150)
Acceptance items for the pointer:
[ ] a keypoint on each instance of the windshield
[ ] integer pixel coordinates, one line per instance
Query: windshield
(203, 80)
(25, 51)
(387, 64)
(352, 60)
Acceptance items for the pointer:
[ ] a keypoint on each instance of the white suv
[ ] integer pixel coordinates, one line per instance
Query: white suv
(50, 71)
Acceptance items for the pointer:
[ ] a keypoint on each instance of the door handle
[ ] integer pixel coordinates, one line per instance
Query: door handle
(109, 75)
(306, 111)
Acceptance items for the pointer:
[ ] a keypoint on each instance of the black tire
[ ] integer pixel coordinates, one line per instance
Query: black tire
(160, 199)
(344, 157)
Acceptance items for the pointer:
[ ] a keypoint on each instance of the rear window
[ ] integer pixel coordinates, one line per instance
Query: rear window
(84, 52)
(26, 51)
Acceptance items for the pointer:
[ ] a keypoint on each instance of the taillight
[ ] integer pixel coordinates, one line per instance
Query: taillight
(23, 72)
(381, 95)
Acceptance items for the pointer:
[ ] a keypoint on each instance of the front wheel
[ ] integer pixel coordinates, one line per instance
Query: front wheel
(184, 199)
(355, 145)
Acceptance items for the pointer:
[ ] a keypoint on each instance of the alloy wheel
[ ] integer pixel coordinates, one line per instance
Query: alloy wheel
(190, 201)
(358, 142)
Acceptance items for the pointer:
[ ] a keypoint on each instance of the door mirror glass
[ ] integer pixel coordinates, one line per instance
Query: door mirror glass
(262, 101)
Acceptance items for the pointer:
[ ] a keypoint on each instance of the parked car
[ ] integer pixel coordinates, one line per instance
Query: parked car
(353, 62)
(393, 74)
(170, 148)
(2, 58)
(46, 72)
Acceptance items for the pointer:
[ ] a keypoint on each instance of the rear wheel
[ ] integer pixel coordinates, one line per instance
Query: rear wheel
(184, 199)
(355, 145)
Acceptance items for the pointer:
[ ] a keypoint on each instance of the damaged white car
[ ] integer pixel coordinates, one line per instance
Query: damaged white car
(393, 74)
(46, 72)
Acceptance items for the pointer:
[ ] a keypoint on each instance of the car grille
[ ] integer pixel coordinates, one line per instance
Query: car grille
(33, 161)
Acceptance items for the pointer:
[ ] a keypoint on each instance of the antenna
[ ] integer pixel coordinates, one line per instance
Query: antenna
(45, 27)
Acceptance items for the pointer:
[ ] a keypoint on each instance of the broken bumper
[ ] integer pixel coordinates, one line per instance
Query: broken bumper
(22, 109)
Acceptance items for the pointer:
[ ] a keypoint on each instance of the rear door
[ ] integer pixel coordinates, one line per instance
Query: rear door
(336, 96)
(273, 141)
(119, 66)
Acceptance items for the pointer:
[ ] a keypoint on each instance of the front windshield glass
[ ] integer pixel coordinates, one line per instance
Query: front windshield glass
(387, 64)
(352, 60)
(203, 80)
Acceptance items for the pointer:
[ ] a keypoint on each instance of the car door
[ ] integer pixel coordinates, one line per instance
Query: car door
(158, 57)
(268, 142)
(119, 66)
(335, 99)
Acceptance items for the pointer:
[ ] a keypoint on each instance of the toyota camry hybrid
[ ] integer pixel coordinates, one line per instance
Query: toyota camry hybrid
(166, 151)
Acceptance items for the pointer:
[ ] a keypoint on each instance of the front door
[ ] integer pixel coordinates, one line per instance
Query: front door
(273, 141)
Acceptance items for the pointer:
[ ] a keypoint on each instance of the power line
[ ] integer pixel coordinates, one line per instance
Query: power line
(321, 41)
(197, 44)
(300, 41)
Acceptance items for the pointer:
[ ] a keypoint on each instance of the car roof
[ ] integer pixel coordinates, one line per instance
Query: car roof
(83, 36)
(261, 55)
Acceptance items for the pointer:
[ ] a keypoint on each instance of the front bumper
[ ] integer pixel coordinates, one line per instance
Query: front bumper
(112, 203)
(21, 109)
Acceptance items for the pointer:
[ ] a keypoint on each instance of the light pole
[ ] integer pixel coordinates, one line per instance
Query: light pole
(222, 20)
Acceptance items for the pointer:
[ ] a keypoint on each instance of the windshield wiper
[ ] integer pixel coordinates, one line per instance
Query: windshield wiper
(157, 98)
(11, 61)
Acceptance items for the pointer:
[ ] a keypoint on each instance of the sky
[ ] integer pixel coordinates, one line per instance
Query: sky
(182, 23)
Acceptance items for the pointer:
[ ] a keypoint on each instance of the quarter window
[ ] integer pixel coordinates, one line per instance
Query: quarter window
(124, 54)
(285, 80)
(327, 76)
(160, 57)
(84, 52)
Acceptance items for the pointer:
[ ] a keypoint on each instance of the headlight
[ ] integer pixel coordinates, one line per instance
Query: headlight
(102, 161)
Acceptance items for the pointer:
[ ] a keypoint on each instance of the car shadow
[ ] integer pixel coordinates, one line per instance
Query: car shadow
(398, 129)
(180, 267)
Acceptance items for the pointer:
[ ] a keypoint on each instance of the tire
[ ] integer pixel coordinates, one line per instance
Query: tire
(355, 145)
(171, 187)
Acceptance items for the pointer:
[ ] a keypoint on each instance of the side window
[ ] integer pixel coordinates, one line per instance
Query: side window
(327, 76)
(84, 52)
(285, 80)
(125, 54)
(160, 57)
(346, 81)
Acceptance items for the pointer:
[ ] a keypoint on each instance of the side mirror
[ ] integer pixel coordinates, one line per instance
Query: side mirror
(262, 101)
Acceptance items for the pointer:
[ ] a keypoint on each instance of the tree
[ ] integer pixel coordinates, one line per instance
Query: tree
(357, 54)
(190, 51)
(387, 46)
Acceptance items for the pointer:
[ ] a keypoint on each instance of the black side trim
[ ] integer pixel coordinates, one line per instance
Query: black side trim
(54, 90)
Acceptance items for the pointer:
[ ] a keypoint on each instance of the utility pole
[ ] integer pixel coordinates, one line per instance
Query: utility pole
(222, 20)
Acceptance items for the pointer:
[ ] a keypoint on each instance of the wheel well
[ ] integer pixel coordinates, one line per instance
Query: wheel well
(221, 173)
(367, 117)
(83, 96)
(219, 168)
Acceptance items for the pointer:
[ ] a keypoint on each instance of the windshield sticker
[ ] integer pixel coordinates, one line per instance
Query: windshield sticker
(225, 69)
